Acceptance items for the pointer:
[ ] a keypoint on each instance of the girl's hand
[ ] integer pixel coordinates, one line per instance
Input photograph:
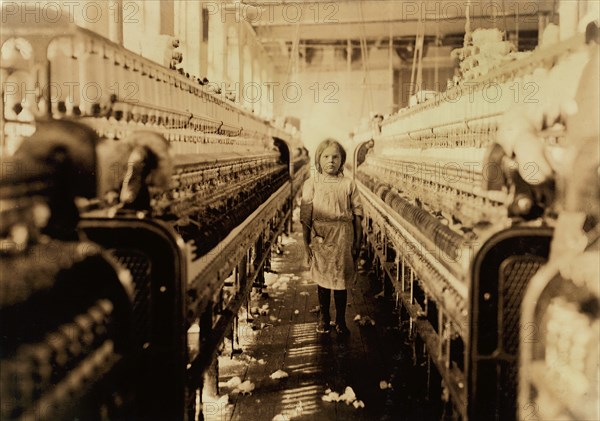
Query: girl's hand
(309, 253)
(355, 251)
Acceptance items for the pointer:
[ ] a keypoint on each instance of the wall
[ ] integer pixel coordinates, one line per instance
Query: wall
(334, 97)
(330, 96)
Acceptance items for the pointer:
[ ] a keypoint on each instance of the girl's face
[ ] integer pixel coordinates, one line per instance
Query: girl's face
(331, 160)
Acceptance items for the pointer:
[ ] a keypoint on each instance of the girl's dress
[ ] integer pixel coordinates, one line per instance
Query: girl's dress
(335, 201)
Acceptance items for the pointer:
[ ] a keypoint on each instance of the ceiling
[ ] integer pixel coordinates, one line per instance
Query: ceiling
(284, 27)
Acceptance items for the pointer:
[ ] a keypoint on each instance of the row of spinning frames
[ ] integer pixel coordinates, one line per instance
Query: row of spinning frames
(188, 195)
(458, 234)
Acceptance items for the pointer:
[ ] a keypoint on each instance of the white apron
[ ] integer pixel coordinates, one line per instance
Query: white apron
(329, 205)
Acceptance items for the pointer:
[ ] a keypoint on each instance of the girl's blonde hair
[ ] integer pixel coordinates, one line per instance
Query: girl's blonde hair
(324, 145)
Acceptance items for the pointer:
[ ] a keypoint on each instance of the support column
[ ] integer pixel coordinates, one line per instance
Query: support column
(260, 276)
(216, 49)
(242, 273)
(167, 17)
(115, 21)
(211, 378)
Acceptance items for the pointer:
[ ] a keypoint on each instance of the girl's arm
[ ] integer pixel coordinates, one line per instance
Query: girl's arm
(357, 220)
(306, 235)
(306, 216)
(357, 214)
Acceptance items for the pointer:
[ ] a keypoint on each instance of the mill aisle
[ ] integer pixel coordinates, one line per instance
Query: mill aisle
(280, 368)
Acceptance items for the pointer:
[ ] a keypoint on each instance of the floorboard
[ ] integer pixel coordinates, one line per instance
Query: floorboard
(286, 339)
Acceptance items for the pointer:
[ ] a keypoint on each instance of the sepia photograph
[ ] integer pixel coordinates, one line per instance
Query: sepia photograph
(286, 210)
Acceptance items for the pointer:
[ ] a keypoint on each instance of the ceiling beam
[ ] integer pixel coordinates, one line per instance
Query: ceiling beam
(371, 11)
(383, 29)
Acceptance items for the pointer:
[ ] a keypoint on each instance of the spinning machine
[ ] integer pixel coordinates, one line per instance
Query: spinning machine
(184, 188)
(457, 233)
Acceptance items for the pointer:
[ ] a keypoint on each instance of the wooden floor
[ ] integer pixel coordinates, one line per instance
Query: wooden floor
(286, 339)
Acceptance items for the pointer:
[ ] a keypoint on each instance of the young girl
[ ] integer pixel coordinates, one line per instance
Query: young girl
(331, 214)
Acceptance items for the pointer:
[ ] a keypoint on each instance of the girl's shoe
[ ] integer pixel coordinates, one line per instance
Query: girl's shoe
(342, 330)
(323, 328)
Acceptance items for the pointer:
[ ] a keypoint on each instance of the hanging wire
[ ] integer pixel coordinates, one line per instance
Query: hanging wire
(292, 59)
(436, 70)
(293, 52)
(467, 24)
(417, 70)
(364, 50)
(504, 20)
(364, 85)
(517, 28)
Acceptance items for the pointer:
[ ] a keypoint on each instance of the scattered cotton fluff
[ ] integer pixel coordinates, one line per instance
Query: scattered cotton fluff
(348, 396)
(234, 382)
(285, 240)
(364, 320)
(279, 374)
(281, 284)
(296, 311)
(270, 278)
(273, 318)
(331, 397)
(384, 385)
(245, 388)
(262, 362)
(358, 404)
(289, 415)
(304, 293)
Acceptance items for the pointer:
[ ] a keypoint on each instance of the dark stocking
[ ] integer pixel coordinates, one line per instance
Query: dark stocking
(324, 299)
(340, 297)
